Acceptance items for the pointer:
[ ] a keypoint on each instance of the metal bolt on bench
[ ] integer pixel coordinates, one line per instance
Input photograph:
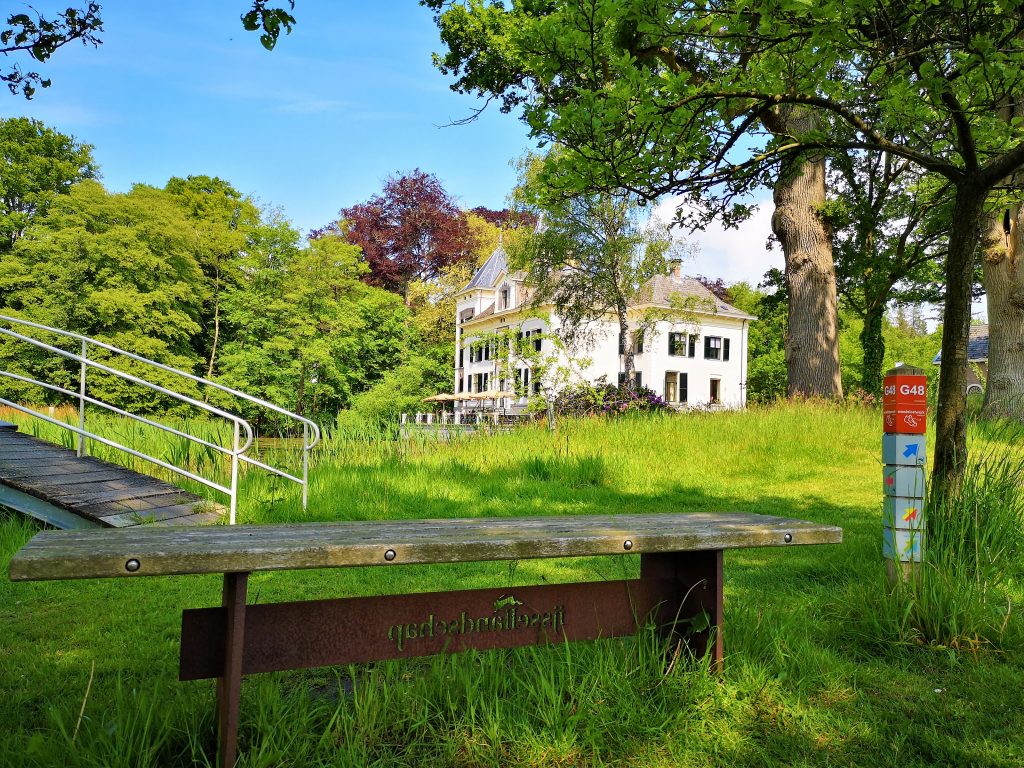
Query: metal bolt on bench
(681, 560)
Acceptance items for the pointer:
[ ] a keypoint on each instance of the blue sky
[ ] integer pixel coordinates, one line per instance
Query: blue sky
(348, 98)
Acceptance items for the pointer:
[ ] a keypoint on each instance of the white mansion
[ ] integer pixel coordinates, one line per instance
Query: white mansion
(699, 361)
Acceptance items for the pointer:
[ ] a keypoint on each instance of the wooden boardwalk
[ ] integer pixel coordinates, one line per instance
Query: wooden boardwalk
(68, 491)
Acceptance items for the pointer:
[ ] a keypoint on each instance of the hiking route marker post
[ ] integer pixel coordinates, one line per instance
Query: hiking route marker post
(904, 414)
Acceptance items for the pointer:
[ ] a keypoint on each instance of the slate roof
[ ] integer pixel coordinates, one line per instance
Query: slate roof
(977, 346)
(660, 289)
(488, 274)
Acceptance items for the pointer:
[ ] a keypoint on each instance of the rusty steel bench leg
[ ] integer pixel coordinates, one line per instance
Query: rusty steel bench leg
(229, 684)
(698, 576)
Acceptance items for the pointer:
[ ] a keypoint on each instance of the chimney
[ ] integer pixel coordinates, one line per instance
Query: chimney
(676, 268)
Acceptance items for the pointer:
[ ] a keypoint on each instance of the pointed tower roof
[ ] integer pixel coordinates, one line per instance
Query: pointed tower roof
(488, 274)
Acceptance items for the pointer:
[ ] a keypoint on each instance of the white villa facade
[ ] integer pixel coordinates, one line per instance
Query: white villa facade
(696, 362)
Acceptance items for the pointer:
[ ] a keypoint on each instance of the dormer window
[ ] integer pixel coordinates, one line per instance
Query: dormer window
(503, 296)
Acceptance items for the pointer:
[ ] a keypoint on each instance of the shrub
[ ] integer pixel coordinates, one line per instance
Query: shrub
(608, 400)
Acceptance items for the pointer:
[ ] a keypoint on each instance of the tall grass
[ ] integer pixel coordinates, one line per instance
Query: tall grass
(973, 546)
(820, 669)
(961, 595)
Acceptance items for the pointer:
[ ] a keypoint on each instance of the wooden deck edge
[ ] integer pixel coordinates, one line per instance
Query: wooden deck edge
(30, 505)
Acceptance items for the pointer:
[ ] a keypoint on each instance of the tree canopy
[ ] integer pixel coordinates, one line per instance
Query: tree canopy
(412, 230)
(669, 97)
(591, 256)
(37, 164)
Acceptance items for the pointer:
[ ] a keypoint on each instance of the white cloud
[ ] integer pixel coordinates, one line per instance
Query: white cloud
(730, 254)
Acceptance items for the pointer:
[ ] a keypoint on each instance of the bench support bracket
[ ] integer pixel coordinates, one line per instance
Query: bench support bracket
(681, 593)
(229, 684)
(698, 579)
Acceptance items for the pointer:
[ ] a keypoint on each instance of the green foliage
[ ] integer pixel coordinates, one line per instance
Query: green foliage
(591, 256)
(585, 399)
(193, 277)
(961, 596)
(40, 37)
(121, 268)
(37, 163)
(889, 235)
(223, 223)
(308, 333)
(766, 355)
(270, 20)
(402, 389)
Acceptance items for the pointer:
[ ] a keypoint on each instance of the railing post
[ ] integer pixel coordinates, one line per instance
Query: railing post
(234, 474)
(305, 465)
(81, 402)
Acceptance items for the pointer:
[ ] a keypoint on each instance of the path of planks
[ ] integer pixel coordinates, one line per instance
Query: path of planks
(93, 491)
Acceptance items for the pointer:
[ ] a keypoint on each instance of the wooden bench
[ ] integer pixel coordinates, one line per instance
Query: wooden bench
(680, 586)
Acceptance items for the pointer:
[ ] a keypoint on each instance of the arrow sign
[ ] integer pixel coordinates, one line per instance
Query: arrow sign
(910, 514)
(910, 450)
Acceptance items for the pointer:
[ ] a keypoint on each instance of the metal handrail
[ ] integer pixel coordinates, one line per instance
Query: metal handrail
(310, 430)
(314, 428)
(114, 444)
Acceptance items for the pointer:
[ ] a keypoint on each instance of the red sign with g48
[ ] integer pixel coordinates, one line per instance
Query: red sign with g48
(904, 406)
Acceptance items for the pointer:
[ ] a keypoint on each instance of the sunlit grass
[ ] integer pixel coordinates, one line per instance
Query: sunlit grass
(807, 680)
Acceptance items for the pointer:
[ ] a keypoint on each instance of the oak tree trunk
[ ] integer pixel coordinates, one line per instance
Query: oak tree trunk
(950, 417)
(1003, 279)
(812, 342)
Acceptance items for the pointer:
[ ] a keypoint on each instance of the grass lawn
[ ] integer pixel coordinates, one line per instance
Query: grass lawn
(816, 672)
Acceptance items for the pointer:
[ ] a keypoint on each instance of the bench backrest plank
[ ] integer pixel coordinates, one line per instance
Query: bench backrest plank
(164, 551)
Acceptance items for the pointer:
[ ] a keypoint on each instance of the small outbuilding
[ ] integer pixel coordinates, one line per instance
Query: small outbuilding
(977, 359)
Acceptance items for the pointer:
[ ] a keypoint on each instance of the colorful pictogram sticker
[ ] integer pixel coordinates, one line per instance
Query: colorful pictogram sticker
(904, 450)
(904, 481)
(905, 546)
(903, 514)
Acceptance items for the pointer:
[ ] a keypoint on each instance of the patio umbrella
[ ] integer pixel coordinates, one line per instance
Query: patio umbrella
(492, 394)
(442, 398)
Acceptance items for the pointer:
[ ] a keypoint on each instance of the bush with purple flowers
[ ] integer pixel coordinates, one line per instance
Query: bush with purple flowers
(604, 399)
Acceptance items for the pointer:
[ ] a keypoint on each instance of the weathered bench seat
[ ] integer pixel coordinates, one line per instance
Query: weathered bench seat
(160, 552)
(680, 586)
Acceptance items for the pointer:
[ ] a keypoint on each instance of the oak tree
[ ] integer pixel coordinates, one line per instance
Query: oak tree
(671, 97)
